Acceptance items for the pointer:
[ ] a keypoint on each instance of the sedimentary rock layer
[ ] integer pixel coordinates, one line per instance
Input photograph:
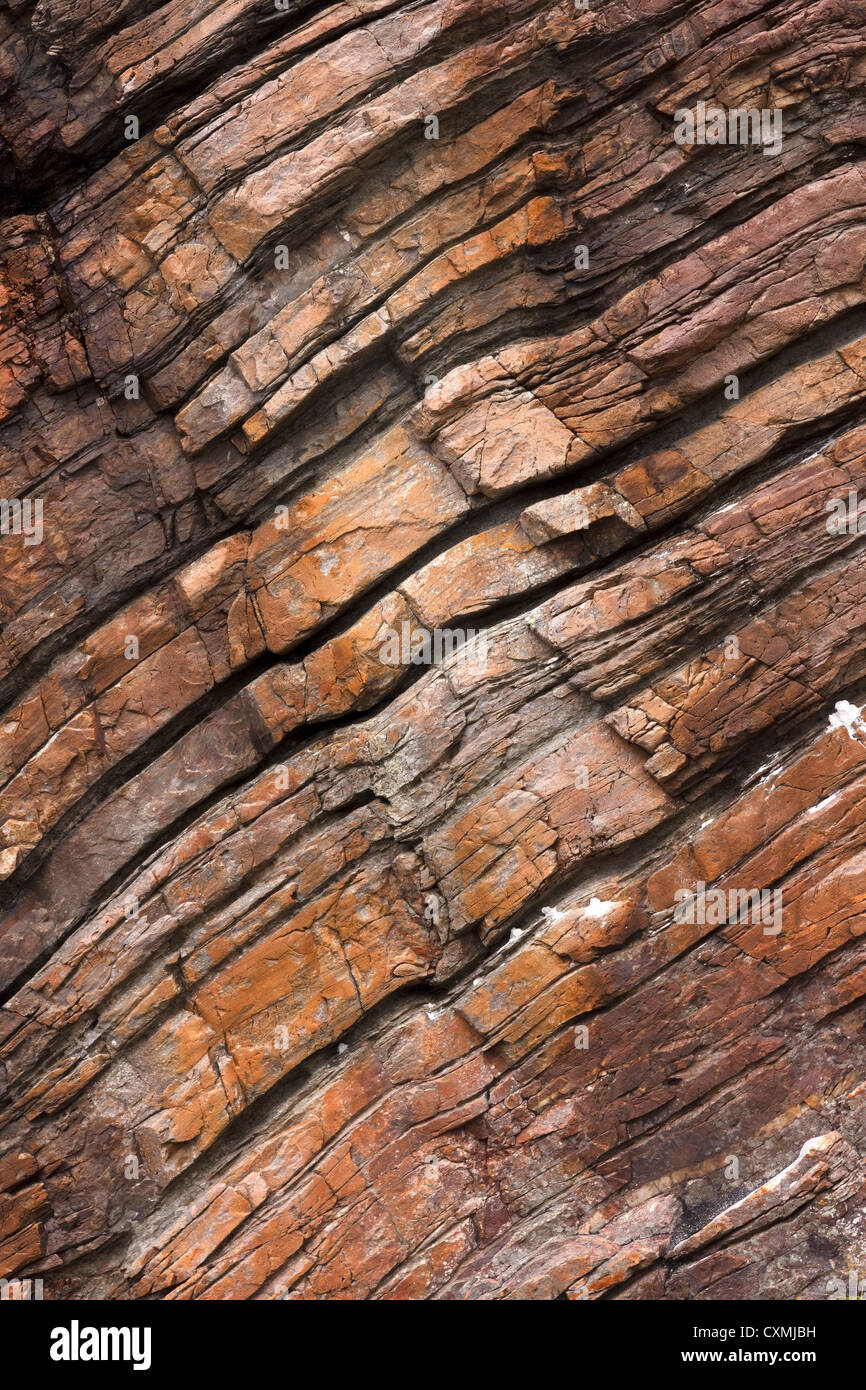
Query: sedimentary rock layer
(342, 958)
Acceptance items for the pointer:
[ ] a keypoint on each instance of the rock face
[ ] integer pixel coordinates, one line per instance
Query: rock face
(433, 641)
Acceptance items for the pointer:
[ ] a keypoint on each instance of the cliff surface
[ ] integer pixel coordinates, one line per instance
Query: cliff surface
(433, 641)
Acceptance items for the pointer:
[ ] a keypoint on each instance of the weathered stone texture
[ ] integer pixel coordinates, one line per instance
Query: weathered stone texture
(328, 976)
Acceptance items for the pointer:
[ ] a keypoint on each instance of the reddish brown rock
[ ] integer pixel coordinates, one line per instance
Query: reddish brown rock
(432, 759)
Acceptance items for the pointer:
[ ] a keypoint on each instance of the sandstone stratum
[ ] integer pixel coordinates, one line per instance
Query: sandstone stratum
(524, 964)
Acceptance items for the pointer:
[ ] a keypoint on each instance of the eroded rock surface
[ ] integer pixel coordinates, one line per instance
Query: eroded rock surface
(534, 967)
